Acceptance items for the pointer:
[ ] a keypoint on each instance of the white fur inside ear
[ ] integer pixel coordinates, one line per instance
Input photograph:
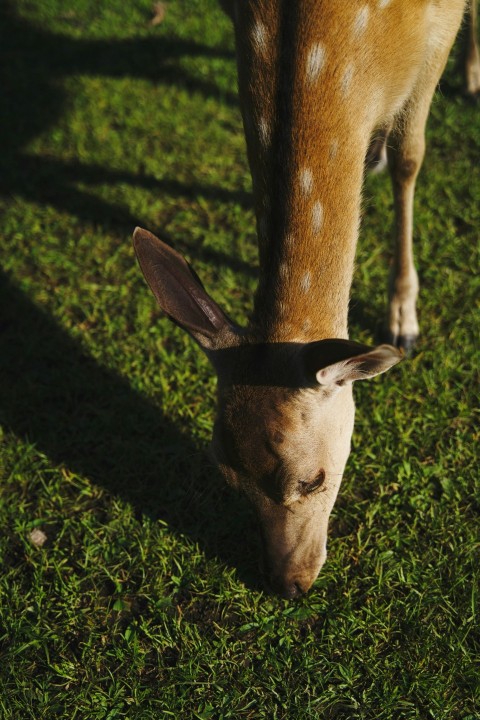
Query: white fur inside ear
(360, 367)
(332, 375)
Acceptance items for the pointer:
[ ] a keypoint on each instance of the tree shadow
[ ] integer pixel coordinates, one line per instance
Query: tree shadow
(33, 64)
(89, 419)
(92, 209)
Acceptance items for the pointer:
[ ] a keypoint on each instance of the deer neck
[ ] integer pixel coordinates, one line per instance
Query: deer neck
(307, 134)
(307, 252)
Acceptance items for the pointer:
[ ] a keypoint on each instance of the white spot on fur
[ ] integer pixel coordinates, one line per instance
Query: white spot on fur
(333, 150)
(383, 4)
(259, 36)
(317, 216)
(264, 129)
(283, 270)
(347, 79)
(289, 239)
(306, 281)
(306, 181)
(315, 61)
(361, 20)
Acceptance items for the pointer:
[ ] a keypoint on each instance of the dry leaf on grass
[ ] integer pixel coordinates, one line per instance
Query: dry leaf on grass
(159, 10)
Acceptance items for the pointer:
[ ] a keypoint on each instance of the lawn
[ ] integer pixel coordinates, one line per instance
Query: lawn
(129, 584)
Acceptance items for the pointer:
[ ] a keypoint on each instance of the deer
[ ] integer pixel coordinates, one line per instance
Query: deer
(317, 79)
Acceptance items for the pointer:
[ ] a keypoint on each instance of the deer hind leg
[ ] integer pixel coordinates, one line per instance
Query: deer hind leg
(472, 55)
(406, 149)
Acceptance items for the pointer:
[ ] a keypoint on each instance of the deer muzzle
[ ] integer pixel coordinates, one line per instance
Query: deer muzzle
(294, 549)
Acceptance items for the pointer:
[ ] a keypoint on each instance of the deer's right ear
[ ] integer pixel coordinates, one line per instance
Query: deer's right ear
(180, 293)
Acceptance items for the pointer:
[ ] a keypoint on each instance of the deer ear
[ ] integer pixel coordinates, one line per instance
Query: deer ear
(179, 291)
(336, 362)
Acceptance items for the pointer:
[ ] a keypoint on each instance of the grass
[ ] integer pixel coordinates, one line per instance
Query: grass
(145, 599)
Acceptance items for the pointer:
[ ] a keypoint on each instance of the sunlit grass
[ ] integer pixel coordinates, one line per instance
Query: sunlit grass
(145, 600)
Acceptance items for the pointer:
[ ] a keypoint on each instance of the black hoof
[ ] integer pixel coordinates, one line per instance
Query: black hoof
(406, 343)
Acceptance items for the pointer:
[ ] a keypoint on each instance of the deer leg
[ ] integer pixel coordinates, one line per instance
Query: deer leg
(405, 154)
(406, 149)
(472, 55)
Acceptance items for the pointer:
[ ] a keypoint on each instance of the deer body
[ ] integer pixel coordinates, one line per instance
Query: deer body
(316, 78)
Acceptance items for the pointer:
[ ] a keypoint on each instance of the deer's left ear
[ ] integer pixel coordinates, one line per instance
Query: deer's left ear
(180, 293)
(336, 362)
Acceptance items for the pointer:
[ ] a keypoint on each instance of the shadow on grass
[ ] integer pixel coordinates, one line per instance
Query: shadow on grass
(76, 412)
(33, 65)
(89, 419)
(33, 175)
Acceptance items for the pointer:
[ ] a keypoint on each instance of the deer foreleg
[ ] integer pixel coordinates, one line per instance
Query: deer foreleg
(472, 55)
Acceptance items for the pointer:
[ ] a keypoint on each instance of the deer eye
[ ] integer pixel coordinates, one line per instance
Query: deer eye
(309, 487)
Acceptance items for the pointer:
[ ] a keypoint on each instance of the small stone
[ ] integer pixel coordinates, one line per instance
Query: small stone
(37, 537)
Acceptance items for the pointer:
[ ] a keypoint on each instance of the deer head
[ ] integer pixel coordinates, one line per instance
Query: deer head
(284, 419)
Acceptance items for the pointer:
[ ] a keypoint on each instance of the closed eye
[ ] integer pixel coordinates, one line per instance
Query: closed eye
(309, 487)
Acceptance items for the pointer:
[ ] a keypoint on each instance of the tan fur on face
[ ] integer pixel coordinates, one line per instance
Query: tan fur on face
(268, 442)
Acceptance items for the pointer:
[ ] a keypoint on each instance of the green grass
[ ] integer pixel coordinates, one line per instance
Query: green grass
(145, 600)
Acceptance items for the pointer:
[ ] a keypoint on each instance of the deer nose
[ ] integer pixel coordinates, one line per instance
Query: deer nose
(292, 590)
(289, 583)
(288, 589)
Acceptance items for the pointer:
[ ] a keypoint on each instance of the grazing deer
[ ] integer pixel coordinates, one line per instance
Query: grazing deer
(316, 78)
